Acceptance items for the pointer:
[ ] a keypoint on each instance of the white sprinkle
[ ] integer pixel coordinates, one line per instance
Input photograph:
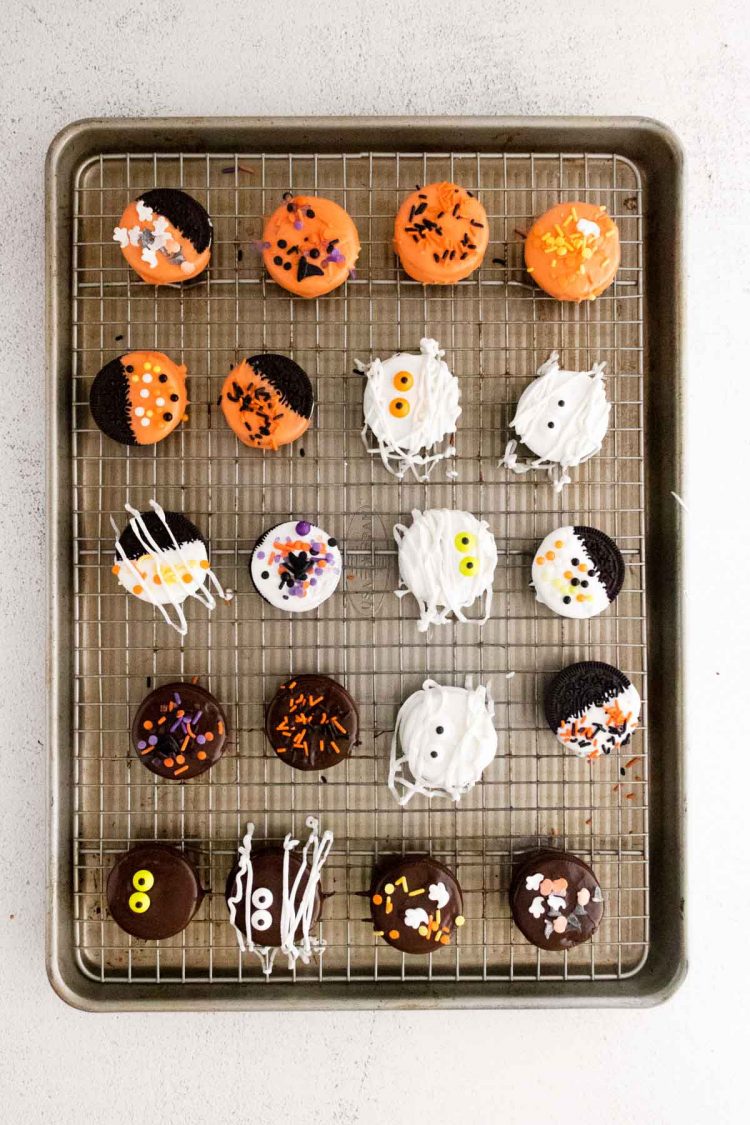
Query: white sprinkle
(145, 421)
(139, 411)
(679, 500)
(148, 377)
(160, 402)
(145, 393)
(509, 675)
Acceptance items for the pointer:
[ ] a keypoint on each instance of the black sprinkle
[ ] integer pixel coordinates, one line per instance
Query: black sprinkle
(174, 398)
(420, 209)
(240, 255)
(149, 681)
(162, 378)
(436, 257)
(167, 417)
(281, 244)
(287, 265)
(277, 260)
(119, 337)
(314, 253)
(500, 261)
(302, 453)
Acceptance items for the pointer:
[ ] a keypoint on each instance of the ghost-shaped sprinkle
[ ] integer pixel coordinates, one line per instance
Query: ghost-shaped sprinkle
(537, 907)
(562, 417)
(534, 882)
(443, 741)
(415, 917)
(439, 894)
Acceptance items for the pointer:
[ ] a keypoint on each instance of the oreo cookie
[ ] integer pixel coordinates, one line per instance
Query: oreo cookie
(592, 708)
(577, 571)
(312, 722)
(267, 400)
(555, 899)
(153, 891)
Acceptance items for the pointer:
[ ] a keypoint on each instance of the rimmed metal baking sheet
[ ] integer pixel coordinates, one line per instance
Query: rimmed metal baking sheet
(106, 650)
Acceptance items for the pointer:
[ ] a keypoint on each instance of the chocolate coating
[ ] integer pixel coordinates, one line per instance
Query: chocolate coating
(574, 889)
(605, 555)
(179, 731)
(393, 902)
(171, 895)
(268, 880)
(312, 722)
(185, 213)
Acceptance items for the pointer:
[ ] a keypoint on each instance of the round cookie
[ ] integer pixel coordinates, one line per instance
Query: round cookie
(153, 891)
(555, 899)
(179, 731)
(139, 398)
(162, 558)
(310, 245)
(165, 235)
(411, 404)
(443, 741)
(441, 234)
(416, 904)
(447, 560)
(577, 571)
(592, 708)
(562, 417)
(267, 401)
(296, 566)
(274, 897)
(312, 722)
(573, 251)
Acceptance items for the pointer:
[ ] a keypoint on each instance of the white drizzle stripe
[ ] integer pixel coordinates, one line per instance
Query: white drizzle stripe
(429, 565)
(575, 436)
(433, 416)
(465, 748)
(181, 626)
(291, 918)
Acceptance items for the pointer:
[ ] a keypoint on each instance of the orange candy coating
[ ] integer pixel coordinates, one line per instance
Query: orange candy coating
(569, 263)
(165, 272)
(153, 381)
(313, 245)
(452, 242)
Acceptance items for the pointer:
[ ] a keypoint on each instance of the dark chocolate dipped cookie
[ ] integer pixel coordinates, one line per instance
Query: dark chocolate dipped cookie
(179, 731)
(266, 897)
(312, 722)
(592, 708)
(555, 899)
(416, 904)
(153, 891)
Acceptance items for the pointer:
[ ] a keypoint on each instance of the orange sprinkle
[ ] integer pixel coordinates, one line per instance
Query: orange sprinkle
(187, 578)
(321, 745)
(632, 761)
(293, 684)
(210, 736)
(377, 900)
(550, 555)
(157, 580)
(163, 719)
(180, 714)
(181, 770)
(580, 597)
(147, 750)
(184, 744)
(201, 755)
(444, 940)
(115, 569)
(138, 589)
(582, 566)
(169, 762)
(335, 747)
(388, 905)
(147, 724)
(558, 543)
(205, 564)
(394, 934)
(539, 561)
(313, 702)
(568, 574)
(338, 725)
(180, 759)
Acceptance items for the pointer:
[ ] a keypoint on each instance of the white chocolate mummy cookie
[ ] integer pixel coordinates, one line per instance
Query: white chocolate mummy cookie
(447, 560)
(411, 404)
(562, 417)
(161, 558)
(577, 571)
(296, 566)
(443, 741)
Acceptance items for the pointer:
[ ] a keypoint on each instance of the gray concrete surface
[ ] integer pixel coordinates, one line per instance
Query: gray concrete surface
(686, 63)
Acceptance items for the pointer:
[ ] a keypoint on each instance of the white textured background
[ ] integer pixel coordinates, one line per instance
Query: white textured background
(686, 62)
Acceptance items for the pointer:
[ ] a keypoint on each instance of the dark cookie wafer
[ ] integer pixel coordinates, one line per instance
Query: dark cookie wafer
(153, 891)
(179, 731)
(416, 904)
(312, 722)
(592, 708)
(606, 557)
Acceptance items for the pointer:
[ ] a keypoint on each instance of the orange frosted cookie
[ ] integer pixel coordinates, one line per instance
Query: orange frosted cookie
(139, 398)
(310, 245)
(267, 400)
(165, 236)
(441, 234)
(573, 251)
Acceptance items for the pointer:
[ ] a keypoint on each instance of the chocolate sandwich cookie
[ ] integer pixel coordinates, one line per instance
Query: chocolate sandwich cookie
(441, 234)
(312, 722)
(266, 896)
(310, 245)
(165, 235)
(296, 566)
(555, 899)
(153, 891)
(416, 904)
(139, 398)
(573, 251)
(179, 731)
(577, 571)
(267, 400)
(592, 708)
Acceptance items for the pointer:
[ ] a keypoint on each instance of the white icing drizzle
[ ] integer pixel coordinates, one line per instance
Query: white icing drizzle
(408, 443)
(448, 763)
(166, 563)
(429, 564)
(562, 417)
(298, 900)
(601, 728)
(551, 585)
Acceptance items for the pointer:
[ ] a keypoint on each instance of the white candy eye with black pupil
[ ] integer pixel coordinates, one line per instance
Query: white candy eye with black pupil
(262, 898)
(261, 920)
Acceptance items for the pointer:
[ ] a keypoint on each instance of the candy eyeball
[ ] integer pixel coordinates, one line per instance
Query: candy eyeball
(139, 902)
(143, 880)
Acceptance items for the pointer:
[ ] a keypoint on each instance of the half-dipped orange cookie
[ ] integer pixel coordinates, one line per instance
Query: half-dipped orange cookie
(573, 251)
(165, 236)
(441, 234)
(310, 245)
(267, 400)
(139, 398)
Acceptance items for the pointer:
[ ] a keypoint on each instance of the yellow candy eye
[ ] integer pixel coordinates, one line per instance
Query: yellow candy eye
(468, 566)
(403, 380)
(143, 880)
(139, 902)
(464, 541)
(399, 407)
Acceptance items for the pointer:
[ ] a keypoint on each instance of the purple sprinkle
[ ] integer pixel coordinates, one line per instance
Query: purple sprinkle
(298, 224)
(303, 527)
(329, 558)
(174, 726)
(314, 581)
(200, 739)
(195, 717)
(315, 548)
(142, 745)
(177, 697)
(152, 740)
(261, 246)
(334, 256)
(353, 275)
(260, 554)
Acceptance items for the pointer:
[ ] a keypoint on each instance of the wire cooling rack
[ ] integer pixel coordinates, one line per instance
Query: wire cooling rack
(496, 329)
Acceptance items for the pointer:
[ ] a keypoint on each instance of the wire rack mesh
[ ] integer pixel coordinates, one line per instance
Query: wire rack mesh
(496, 329)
